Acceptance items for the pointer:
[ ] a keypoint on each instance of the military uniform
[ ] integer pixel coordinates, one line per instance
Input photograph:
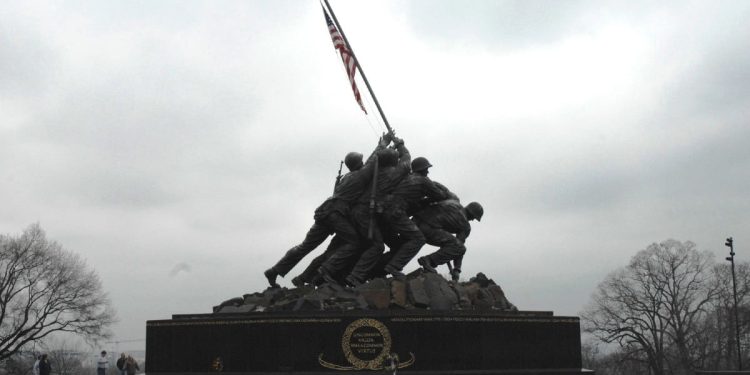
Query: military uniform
(438, 223)
(332, 217)
(408, 196)
(387, 179)
(309, 275)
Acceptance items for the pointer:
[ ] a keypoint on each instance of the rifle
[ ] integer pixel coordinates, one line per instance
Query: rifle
(373, 192)
(338, 178)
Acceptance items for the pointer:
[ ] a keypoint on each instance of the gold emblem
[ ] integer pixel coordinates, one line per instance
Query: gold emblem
(366, 344)
(217, 364)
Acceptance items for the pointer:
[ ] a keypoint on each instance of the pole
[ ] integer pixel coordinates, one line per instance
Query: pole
(356, 61)
(730, 244)
(373, 194)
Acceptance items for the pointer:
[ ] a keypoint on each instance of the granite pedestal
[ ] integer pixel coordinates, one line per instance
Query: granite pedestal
(354, 342)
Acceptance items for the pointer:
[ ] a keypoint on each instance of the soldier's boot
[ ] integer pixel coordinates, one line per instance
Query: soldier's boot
(455, 274)
(397, 274)
(353, 281)
(327, 277)
(316, 280)
(426, 264)
(271, 275)
(296, 281)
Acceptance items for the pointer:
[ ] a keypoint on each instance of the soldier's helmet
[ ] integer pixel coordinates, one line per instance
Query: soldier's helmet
(420, 164)
(388, 157)
(353, 161)
(476, 210)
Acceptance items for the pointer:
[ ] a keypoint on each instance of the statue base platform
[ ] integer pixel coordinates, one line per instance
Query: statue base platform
(354, 342)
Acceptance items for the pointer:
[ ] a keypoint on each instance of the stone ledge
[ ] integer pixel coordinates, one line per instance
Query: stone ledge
(420, 290)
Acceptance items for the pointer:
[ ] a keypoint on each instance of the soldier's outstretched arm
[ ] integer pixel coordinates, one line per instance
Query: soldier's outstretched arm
(370, 163)
(463, 235)
(404, 157)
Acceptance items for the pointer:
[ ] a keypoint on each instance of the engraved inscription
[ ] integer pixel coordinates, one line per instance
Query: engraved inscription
(366, 343)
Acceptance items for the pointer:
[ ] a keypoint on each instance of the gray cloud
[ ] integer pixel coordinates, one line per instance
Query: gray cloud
(511, 24)
(148, 133)
(27, 61)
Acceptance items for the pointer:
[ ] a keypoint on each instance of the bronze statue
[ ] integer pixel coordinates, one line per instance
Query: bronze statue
(405, 198)
(331, 217)
(393, 166)
(372, 206)
(439, 223)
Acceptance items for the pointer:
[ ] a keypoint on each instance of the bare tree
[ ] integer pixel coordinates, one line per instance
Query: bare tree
(721, 344)
(655, 307)
(46, 289)
(617, 362)
(21, 363)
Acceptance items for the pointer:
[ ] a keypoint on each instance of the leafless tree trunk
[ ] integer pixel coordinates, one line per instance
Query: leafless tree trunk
(45, 289)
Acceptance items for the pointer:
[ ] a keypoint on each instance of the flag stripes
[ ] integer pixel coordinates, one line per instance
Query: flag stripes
(347, 57)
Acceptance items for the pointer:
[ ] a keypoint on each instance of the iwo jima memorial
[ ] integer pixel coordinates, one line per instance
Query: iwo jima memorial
(352, 310)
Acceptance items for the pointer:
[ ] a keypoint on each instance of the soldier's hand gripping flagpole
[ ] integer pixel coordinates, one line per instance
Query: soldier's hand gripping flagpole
(347, 55)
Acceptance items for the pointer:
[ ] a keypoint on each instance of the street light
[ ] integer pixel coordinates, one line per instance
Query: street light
(730, 244)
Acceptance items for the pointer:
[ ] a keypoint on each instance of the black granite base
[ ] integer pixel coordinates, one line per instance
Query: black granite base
(425, 342)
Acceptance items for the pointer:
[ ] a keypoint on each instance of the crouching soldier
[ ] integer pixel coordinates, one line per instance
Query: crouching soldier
(439, 222)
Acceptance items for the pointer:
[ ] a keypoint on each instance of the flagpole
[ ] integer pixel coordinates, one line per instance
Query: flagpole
(356, 61)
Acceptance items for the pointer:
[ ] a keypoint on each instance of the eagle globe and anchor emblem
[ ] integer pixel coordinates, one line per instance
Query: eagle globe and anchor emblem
(366, 344)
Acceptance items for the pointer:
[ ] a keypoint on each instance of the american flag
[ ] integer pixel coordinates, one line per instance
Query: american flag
(346, 56)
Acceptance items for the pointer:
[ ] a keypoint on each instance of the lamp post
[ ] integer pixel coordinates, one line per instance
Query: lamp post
(730, 244)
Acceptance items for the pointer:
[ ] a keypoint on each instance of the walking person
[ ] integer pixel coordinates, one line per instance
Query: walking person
(102, 364)
(121, 364)
(45, 368)
(36, 364)
(391, 363)
(131, 366)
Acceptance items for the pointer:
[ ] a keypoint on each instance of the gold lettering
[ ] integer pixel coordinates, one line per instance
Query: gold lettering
(377, 345)
(366, 334)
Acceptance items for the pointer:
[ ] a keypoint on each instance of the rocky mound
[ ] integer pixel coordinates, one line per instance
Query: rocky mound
(420, 290)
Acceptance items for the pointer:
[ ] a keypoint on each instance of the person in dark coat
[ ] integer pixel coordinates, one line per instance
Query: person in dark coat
(45, 368)
(332, 217)
(121, 364)
(446, 225)
(131, 366)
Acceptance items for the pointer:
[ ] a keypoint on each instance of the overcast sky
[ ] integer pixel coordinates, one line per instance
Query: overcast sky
(181, 147)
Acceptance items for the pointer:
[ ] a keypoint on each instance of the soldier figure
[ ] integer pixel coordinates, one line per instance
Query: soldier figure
(393, 166)
(332, 216)
(438, 223)
(311, 275)
(409, 194)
